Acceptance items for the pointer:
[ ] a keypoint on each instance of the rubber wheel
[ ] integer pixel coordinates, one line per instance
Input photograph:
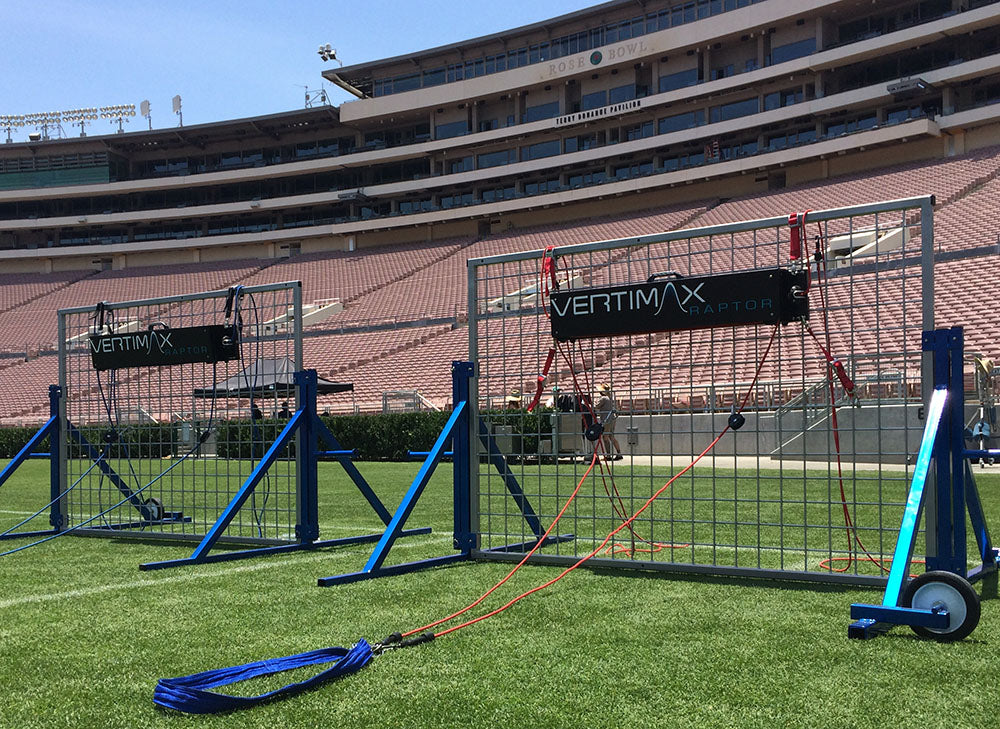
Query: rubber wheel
(154, 509)
(947, 590)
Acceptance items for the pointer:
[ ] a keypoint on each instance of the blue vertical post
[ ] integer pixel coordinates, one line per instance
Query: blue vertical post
(461, 440)
(939, 552)
(56, 517)
(307, 530)
(947, 530)
(956, 438)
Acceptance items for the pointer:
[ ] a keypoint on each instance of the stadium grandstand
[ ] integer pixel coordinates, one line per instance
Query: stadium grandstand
(619, 120)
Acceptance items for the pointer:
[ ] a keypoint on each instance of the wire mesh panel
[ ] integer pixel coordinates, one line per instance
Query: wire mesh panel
(160, 450)
(807, 428)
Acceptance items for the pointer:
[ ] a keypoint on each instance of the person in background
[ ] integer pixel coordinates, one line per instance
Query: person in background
(284, 412)
(606, 416)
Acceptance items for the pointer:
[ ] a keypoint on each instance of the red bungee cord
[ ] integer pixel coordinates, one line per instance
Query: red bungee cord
(604, 543)
(834, 367)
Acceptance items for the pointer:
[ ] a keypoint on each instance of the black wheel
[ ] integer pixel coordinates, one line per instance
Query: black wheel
(940, 589)
(154, 509)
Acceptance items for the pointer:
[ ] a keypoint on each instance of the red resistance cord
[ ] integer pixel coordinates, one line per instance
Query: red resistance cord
(626, 524)
(607, 474)
(834, 367)
(546, 278)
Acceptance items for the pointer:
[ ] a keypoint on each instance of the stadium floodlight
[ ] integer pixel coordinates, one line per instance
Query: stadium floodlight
(327, 53)
(45, 121)
(118, 113)
(83, 117)
(10, 122)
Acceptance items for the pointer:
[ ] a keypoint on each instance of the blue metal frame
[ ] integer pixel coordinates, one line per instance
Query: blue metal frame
(53, 430)
(307, 425)
(458, 431)
(119, 483)
(954, 494)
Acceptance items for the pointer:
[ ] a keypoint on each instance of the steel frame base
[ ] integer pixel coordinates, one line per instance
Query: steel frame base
(263, 551)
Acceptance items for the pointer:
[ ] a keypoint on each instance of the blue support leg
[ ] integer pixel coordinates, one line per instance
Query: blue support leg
(26, 452)
(458, 421)
(352, 471)
(237, 502)
(510, 481)
(875, 619)
(101, 460)
(461, 387)
(413, 494)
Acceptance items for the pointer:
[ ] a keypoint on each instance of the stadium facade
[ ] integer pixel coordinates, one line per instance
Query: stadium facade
(625, 119)
(623, 106)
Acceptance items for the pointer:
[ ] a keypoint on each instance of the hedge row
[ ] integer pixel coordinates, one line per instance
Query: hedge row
(142, 441)
(13, 439)
(382, 437)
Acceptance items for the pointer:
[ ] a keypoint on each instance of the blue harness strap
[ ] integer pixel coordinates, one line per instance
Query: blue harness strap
(190, 694)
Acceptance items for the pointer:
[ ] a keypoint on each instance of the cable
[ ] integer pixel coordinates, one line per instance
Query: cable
(60, 496)
(625, 524)
(604, 543)
(94, 518)
(835, 366)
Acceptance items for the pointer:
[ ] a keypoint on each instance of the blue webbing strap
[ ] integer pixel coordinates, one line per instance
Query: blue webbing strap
(189, 693)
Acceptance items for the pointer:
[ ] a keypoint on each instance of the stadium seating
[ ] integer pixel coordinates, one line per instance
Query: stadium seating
(406, 305)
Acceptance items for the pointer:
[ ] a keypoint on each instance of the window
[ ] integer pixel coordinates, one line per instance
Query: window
(305, 149)
(621, 93)
(451, 129)
(791, 51)
(589, 178)
(678, 122)
(542, 149)
(786, 97)
(594, 101)
(499, 193)
(734, 110)
(679, 80)
(405, 83)
(847, 126)
(435, 76)
(537, 188)
(584, 141)
(454, 201)
(495, 159)
(542, 111)
(723, 72)
(639, 131)
(460, 165)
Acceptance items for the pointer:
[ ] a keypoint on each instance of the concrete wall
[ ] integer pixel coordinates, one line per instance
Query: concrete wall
(886, 434)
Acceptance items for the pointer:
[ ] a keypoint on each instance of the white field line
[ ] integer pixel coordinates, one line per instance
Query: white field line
(221, 571)
(20, 513)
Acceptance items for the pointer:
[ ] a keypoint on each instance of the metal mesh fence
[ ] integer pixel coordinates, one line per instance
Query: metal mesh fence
(160, 451)
(767, 498)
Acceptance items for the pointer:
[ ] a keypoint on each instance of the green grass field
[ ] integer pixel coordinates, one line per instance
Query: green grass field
(85, 636)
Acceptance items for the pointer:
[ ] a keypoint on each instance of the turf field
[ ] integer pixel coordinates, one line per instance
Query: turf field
(85, 635)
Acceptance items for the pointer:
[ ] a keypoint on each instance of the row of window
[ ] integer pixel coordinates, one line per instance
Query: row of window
(415, 169)
(689, 156)
(37, 163)
(679, 13)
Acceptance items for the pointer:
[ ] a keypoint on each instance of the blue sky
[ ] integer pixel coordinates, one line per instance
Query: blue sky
(226, 59)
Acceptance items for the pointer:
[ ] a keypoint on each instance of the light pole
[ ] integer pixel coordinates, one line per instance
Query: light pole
(83, 117)
(120, 113)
